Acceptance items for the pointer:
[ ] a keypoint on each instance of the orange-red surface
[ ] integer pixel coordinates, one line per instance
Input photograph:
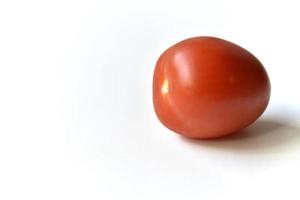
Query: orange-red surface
(205, 87)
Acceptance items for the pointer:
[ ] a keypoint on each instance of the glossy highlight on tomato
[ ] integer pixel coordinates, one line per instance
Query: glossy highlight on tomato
(206, 87)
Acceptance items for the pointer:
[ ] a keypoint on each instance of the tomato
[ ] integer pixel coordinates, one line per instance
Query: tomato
(206, 87)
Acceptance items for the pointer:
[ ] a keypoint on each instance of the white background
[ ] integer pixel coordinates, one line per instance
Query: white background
(76, 114)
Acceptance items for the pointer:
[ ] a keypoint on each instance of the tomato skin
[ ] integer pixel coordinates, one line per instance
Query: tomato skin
(206, 87)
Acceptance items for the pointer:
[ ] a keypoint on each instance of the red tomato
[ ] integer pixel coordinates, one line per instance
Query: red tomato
(205, 87)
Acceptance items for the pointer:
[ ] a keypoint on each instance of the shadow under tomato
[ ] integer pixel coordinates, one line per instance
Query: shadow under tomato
(264, 136)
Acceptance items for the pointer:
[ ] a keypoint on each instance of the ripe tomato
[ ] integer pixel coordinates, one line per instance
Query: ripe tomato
(205, 87)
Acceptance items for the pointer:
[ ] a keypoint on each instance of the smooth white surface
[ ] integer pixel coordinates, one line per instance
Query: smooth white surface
(76, 115)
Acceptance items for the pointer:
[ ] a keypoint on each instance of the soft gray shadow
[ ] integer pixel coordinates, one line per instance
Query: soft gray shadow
(264, 136)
